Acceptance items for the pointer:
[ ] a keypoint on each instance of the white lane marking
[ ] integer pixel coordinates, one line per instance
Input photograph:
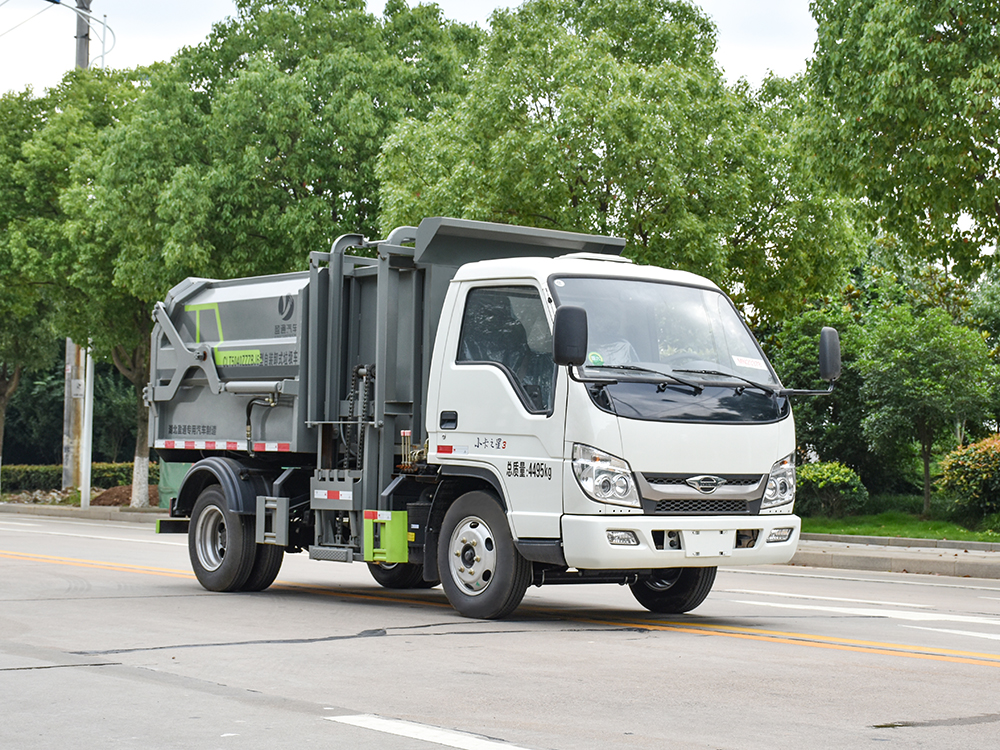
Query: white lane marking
(991, 636)
(17, 523)
(904, 579)
(991, 598)
(827, 598)
(103, 538)
(446, 737)
(888, 614)
(87, 523)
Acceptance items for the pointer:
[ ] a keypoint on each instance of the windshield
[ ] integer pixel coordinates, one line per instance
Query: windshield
(667, 352)
(665, 328)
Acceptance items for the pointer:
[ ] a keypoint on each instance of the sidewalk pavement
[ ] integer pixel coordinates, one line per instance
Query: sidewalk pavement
(874, 553)
(93, 513)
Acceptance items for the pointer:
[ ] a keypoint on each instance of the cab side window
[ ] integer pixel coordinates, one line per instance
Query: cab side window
(506, 327)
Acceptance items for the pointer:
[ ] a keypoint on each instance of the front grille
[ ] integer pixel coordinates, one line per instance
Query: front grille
(702, 506)
(676, 480)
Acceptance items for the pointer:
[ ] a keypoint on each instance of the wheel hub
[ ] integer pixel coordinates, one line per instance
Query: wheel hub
(472, 558)
(210, 538)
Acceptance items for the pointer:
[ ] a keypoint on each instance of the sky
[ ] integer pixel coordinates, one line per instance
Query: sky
(37, 37)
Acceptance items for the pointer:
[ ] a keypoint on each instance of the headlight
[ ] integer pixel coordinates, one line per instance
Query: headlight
(780, 484)
(603, 477)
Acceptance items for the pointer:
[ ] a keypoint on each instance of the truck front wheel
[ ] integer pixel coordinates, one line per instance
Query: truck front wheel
(674, 590)
(220, 543)
(482, 572)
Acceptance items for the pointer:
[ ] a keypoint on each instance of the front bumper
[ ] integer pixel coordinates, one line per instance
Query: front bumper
(702, 541)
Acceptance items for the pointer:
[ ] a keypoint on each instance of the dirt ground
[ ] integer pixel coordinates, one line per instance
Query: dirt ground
(123, 496)
(115, 496)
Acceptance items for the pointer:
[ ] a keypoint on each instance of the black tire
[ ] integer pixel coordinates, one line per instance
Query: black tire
(266, 564)
(221, 543)
(482, 572)
(397, 575)
(674, 590)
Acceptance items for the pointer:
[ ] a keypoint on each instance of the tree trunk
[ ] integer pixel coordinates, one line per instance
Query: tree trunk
(140, 467)
(135, 366)
(925, 453)
(8, 384)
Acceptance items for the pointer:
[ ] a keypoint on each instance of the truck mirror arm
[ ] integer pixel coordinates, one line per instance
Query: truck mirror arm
(806, 392)
(571, 369)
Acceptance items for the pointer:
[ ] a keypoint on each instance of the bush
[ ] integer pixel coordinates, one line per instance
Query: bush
(29, 478)
(828, 489)
(972, 475)
(22, 478)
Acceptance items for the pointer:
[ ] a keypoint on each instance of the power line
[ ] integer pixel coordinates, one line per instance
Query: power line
(47, 7)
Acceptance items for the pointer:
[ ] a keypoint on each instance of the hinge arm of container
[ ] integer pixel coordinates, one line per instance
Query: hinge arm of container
(269, 402)
(199, 357)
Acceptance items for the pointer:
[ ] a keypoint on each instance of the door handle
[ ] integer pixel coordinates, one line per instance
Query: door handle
(449, 420)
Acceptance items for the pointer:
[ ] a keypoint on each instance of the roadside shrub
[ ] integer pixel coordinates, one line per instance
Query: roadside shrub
(28, 478)
(828, 489)
(972, 475)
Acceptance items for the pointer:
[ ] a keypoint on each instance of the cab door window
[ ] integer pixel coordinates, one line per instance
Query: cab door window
(506, 327)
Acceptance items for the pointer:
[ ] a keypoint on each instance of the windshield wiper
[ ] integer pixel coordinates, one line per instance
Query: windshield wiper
(635, 368)
(766, 388)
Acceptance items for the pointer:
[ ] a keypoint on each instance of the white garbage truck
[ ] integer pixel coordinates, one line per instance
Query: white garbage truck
(480, 406)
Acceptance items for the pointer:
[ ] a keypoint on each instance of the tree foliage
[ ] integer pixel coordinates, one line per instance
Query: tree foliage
(257, 147)
(906, 98)
(922, 375)
(576, 120)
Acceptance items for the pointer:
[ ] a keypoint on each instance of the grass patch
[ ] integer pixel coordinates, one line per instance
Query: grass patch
(896, 523)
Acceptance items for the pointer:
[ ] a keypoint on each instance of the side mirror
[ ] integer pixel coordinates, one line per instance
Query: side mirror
(569, 336)
(829, 354)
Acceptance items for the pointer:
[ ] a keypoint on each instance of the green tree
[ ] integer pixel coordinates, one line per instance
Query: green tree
(25, 322)
(243, 155)
(922, 376)
(35, 414)
(793, 238)
(257, 147)
(612, 117)
(24, 344)
(51, 243)
(905, 94)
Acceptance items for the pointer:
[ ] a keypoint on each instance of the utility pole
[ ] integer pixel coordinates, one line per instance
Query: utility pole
(76, 357)
(83, 35)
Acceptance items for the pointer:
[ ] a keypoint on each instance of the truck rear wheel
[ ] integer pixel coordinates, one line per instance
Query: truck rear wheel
(400, 575)
(674, 590)
(482, 572)
(221, 543)
(266, 564)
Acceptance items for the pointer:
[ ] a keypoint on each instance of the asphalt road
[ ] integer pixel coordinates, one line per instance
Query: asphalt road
(107, 641)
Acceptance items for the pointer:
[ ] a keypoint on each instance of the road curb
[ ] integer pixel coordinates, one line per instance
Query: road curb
(898, 541)
(927, 560)
(102, 513)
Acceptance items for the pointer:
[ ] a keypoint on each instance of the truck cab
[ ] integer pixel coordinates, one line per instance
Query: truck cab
(670, 446)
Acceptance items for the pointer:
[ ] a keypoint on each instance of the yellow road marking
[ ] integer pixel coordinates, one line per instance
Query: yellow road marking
(817, 641)
(727, 631)
(121, 567)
